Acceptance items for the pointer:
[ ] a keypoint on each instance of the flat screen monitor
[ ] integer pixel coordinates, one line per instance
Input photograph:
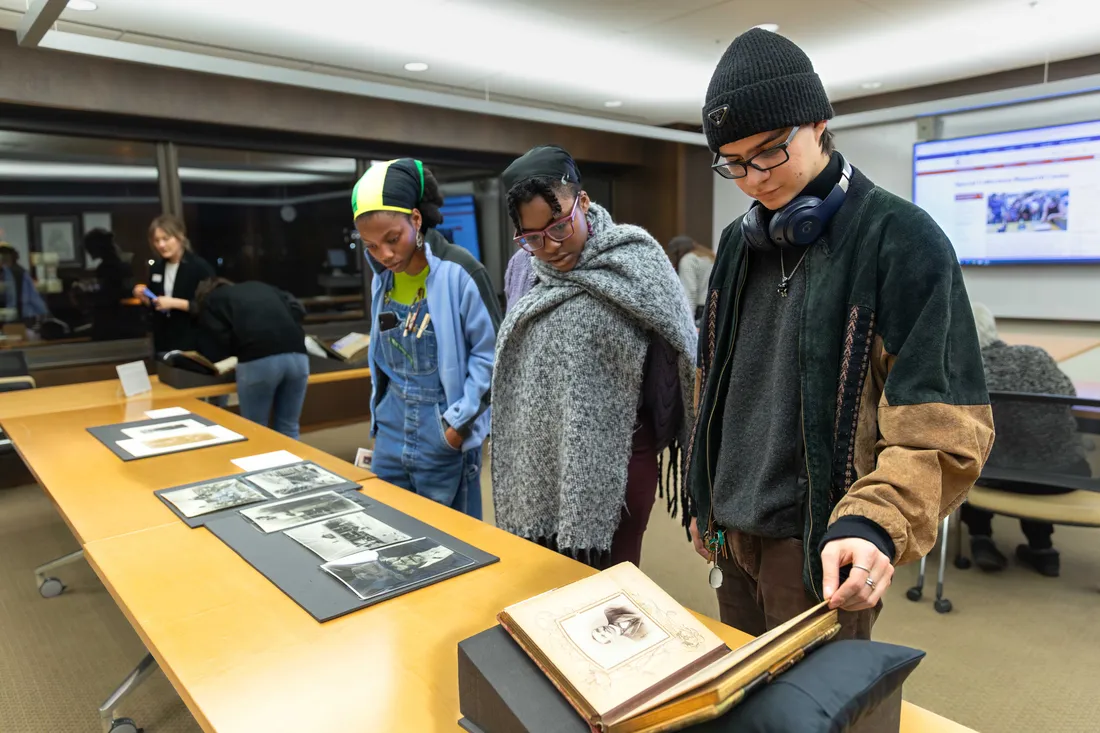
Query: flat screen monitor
(1024, 197)
(460, 223)
(338, 258)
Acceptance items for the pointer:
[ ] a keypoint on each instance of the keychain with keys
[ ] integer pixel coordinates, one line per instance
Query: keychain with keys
(715, 542)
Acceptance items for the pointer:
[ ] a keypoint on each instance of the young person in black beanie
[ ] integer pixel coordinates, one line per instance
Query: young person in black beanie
(842, 405)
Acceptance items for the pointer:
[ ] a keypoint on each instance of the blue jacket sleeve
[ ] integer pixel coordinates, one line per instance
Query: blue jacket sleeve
(479, 322)
(33, 305)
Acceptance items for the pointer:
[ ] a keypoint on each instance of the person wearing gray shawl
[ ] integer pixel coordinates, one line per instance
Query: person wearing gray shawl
(594, 373)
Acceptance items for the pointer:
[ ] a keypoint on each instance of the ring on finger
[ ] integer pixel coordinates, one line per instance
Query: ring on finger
(860, 567)
(870, 582)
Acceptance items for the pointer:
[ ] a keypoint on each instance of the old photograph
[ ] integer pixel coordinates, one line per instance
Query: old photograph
(372, 573)
(280, 515)
(214, 496)
(295, 479)
(345, 535)
(613, 631)
(154, 440)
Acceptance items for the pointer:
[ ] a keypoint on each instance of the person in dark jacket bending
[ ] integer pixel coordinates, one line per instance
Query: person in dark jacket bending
(843, 410)
(261, 326)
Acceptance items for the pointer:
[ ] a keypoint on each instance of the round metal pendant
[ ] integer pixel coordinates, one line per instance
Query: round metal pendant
(715, 577)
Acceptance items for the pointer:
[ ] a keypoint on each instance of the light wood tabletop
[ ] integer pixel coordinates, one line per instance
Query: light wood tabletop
(99, 496)
(1060, 347)
(244, 657)
(87, 395)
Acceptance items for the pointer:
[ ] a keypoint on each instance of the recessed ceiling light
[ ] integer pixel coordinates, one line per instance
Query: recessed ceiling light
(81, 5)
(612, 103)
(871, 84)
(770, 27)
(416, 66)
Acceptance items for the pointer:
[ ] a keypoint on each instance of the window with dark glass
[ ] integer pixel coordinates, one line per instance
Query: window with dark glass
(73, 218)
(282, 219)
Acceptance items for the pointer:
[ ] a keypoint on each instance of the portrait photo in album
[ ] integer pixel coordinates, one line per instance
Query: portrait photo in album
(280, 515)
(295, 479)
(613, 631)
(345, 535)
(372, 573)
(213, 496)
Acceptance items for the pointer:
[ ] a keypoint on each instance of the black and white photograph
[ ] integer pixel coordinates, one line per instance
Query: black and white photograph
(194, 501)
(157, 430)
(613, 631)
(372, 573)
(280, 515)
(295, 479)
(345, 535)
(161, 438)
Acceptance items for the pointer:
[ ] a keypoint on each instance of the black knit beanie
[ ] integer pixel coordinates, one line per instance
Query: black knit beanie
(763, 82)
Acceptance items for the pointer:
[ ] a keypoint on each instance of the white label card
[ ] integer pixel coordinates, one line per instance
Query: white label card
(134, 378)
(166, 412)
(266, 460)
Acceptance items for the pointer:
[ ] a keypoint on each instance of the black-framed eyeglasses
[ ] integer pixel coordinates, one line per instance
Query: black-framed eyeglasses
(765, 160)
(559, 231)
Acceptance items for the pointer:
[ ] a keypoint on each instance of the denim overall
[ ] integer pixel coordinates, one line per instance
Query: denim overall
(410, 448)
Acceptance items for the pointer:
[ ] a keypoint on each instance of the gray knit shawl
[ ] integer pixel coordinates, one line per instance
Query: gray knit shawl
(566, 385)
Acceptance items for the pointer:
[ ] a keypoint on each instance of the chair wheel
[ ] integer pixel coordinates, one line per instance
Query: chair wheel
(963, 563)
(51, 588)
(914, 594)
(124, 725)
(942, 606)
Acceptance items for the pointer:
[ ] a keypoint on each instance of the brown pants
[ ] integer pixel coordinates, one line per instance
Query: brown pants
(762, 588)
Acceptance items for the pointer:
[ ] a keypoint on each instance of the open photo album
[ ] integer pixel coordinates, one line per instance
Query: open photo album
(630, 659)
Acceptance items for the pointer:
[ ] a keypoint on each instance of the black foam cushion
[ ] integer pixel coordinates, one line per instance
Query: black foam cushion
(828, 691)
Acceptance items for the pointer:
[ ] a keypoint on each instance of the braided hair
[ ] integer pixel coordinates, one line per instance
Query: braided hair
(544, 187)
(430, 203)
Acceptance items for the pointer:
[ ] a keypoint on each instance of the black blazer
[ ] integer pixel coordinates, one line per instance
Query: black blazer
(176, 329)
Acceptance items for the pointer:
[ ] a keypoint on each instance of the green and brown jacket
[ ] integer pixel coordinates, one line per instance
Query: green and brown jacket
(895, 416)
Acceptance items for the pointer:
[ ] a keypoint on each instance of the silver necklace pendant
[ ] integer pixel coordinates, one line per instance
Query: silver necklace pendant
(715, 578)
(782, 289)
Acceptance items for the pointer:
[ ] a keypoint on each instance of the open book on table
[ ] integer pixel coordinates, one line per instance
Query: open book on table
(193, 361)
(630, 659)
(350, 348)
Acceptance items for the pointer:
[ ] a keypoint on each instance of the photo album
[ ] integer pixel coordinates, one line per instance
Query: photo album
(630, 659)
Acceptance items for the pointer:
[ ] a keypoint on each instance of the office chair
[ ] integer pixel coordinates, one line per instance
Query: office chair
(1079, 503)
(13, 364)
(14, 376)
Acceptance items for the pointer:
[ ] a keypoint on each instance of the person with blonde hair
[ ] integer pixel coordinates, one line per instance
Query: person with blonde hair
(173, 280)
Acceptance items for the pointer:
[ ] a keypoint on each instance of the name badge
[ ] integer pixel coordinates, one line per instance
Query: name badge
(157, 277)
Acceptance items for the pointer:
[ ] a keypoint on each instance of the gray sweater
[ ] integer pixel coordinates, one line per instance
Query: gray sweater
(694, 272)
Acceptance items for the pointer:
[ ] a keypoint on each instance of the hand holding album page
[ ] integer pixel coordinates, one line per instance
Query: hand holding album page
(630, 659)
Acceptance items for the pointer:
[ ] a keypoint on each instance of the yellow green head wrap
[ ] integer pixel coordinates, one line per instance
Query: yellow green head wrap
(397, 185)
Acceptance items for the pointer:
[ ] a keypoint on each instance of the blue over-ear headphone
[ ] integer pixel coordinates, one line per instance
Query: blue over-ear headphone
(799, 223)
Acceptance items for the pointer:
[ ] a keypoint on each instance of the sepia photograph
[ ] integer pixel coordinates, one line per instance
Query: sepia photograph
(372, 573)
(345, 535)
(612, 632)
(154, 440)
(194, 501)
(295, 479)
(280, 515)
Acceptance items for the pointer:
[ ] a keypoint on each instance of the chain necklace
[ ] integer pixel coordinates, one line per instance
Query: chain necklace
(784, 283)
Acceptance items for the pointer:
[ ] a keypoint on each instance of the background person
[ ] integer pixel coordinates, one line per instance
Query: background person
(114, 282)
(17, 289)
(435, 320)
(261, 325)
(173, 278)
(1030, 436)
(594, 371)
(692, 262)
(843, 409)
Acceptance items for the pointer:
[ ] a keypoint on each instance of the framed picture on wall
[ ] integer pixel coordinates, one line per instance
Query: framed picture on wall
(60, 235)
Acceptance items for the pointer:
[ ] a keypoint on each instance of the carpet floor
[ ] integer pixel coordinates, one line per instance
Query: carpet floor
(1018, 654)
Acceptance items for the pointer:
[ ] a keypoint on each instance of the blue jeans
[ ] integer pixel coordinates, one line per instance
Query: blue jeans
(411, 450)
(274, 384)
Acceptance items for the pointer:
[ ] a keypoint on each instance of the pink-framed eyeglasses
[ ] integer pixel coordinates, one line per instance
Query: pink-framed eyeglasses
(559, 231)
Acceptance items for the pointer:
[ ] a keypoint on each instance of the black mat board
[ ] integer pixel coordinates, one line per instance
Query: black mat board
(109, 435)
(202, 519)
(296, 570)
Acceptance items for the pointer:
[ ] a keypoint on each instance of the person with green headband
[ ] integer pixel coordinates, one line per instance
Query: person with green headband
(433, 333)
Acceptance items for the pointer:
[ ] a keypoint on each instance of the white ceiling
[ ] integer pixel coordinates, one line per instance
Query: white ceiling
(655, 56)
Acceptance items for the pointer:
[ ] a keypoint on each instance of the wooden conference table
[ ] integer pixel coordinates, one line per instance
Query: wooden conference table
(241, 654)
(85, 395)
